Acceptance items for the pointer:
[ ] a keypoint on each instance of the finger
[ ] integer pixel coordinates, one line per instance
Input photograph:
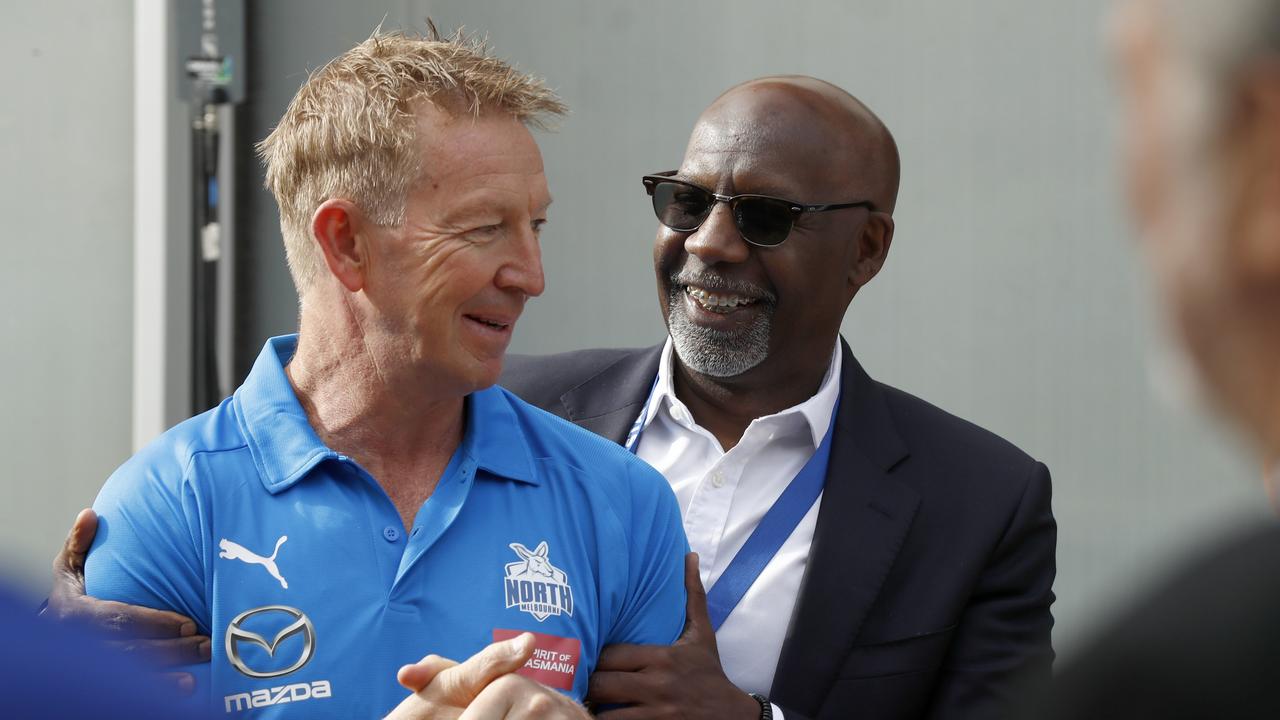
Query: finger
(697, 624)
(460, 685)
(184, 683)
(490, 705)
(618, 687)
(415, 707)
(628, 658)
(130, 621)
(417, 676)
(83, 530)
(167, 653)
(516, 698)
(628, 713)
(68, 564)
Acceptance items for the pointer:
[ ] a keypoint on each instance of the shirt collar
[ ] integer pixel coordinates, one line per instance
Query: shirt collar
(494, 437)
(816, 410)
(285, 447)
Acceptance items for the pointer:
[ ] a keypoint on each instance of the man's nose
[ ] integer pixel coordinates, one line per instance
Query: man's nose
(718, 240)
(523, 270)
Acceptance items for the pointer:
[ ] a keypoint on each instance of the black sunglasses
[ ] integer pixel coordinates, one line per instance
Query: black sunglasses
(762, 220)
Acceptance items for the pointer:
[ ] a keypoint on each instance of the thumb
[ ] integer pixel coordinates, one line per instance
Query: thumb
(697, 624)
(68, 566)
(460, 685)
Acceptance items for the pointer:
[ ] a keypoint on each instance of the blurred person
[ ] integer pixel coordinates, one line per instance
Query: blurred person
(58, 670)
(914, 578)
(1201, 85)
(367, 496)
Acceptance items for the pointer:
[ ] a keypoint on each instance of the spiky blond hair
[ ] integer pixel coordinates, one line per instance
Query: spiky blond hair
(351, 132)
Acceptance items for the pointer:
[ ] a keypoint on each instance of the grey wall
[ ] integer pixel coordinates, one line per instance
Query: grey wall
(66, 156)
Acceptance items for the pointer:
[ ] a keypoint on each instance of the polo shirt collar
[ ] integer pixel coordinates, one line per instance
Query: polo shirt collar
(281, 440)
(494, 438)
(285, 447)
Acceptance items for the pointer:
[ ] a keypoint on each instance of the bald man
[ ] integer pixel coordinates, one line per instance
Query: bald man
(913, 578)
(865, 554)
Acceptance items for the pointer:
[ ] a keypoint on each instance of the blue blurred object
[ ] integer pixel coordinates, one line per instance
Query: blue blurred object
(54, 671)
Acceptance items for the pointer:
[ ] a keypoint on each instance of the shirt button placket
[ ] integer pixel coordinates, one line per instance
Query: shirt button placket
(391, 533)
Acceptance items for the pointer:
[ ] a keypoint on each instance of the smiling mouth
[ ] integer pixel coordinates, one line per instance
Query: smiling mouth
(489, 323)
(718, 302)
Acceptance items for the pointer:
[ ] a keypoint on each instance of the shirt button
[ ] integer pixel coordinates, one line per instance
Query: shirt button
(717, 479)
(392, 534)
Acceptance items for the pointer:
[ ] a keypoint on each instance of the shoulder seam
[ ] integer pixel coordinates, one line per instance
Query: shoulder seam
(191, 457)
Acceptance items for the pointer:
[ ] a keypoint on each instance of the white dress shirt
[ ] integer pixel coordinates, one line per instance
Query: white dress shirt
(723, 496)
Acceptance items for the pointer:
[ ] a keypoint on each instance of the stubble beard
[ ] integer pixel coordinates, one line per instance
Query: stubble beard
(716, 353)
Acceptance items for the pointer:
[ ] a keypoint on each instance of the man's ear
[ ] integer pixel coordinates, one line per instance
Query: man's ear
(337, 228)
(873, 248)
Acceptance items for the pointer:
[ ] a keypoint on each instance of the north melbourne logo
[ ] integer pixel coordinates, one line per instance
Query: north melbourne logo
(536, 586)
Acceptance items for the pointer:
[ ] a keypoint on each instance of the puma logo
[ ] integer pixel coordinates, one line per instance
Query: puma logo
(235, 551)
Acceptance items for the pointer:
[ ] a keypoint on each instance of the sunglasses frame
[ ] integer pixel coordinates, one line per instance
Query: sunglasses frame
(651, 183)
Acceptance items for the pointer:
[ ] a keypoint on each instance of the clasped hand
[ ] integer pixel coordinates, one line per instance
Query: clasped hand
(485, 687)
(684, 680)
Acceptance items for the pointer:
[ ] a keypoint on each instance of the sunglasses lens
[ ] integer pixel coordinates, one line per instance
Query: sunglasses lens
(763, 221)
(680, 207)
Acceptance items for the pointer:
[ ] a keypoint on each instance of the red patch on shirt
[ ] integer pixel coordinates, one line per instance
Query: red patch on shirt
(554, 661)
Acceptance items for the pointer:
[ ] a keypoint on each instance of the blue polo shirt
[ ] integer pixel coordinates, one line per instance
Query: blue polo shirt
(295, 562)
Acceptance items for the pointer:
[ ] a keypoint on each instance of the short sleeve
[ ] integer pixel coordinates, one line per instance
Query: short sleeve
(148, 550)
(653, 613)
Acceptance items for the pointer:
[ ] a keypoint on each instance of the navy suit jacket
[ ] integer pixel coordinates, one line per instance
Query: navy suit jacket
(1204, 642)
(930, 576)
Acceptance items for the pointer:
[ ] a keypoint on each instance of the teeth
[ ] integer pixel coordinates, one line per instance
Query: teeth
(717, 302)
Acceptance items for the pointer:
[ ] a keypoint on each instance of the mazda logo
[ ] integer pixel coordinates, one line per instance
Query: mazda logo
(296, 622)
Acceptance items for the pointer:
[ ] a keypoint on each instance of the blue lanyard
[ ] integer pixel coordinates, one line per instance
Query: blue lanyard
(774, 528)
(633, 435)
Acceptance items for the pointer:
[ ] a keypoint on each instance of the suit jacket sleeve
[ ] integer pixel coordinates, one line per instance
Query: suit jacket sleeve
(1003, 637)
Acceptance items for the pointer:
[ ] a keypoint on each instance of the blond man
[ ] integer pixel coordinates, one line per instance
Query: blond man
(367, 497)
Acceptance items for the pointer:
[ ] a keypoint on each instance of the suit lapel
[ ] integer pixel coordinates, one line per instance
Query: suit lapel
(609, 402)
(862, 523)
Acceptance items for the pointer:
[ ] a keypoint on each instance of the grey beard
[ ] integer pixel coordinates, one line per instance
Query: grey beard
(714, 352)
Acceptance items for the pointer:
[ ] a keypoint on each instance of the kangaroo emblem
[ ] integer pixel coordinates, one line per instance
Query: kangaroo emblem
(535, 563)
(235, 551)
(535, 586)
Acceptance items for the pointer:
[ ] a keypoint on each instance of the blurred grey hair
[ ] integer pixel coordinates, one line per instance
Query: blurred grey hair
(1218, 39)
